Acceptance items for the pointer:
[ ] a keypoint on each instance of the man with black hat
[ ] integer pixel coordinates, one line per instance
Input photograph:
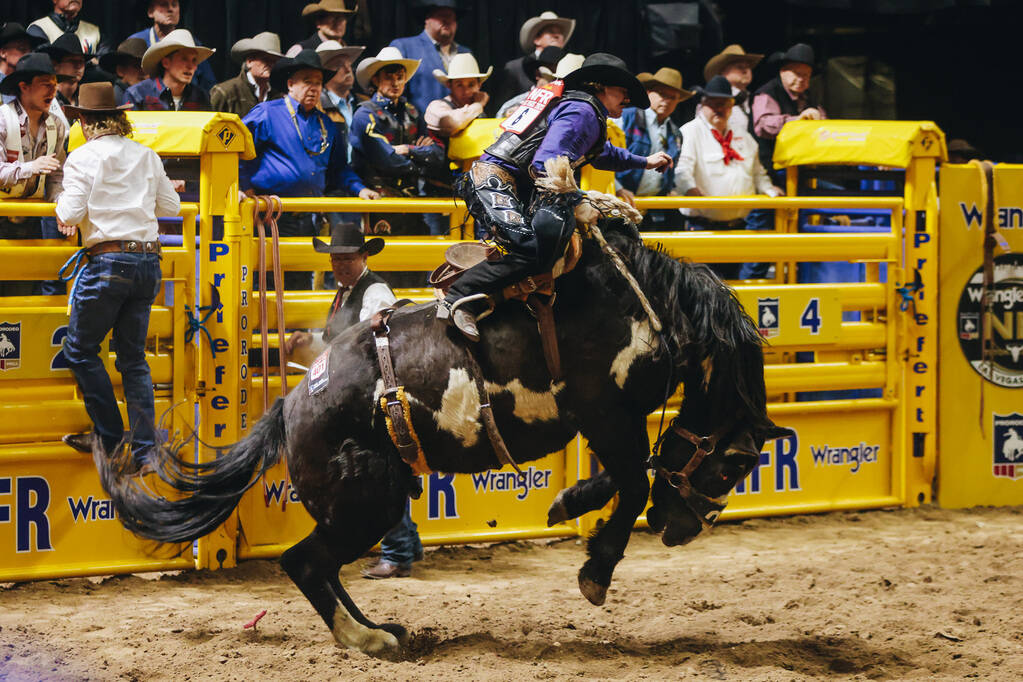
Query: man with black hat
(166, 17)
(298, 153)
(331, 20)
(736, 65)
(257, 56)
(15, 43)
(65, 19)
(433, 48)
(171, 64)
(114, 190)
(648, 131)
(547, 30)
(34, 141)
(566, 118)
(784, 98)
(126, 64)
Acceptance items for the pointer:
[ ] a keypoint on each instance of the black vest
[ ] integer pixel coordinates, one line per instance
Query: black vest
(347, 314)
(787, 105)
(519, 150)
(312, 42)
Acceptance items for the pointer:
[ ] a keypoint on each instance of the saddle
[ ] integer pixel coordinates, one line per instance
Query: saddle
(462, 256)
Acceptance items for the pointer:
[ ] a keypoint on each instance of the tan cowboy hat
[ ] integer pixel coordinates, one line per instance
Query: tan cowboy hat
(463, 65)
(96, 98)
(329, 7)
(535, 25)
(667, 77)
(569, 63)
(177, 39)
(729, 55)
(386, 57)
(330, 50)
(264, 43)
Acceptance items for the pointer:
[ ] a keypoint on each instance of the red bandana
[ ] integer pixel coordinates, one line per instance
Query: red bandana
(726, 146)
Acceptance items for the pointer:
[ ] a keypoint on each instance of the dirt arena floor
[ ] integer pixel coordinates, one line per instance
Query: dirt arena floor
(918, 594)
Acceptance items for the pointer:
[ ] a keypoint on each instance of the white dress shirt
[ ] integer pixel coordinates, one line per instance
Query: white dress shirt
(702, 164)
(376, 297)
(115, 188)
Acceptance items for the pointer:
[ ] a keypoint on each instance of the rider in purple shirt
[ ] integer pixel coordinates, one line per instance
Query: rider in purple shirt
(499, 187)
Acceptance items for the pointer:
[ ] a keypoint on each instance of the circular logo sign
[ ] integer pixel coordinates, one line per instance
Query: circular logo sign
(1003, 362)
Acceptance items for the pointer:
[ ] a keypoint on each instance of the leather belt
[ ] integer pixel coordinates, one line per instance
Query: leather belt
(124, 246)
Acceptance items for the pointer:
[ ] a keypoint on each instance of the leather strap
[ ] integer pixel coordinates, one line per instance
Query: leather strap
(487, 414)
(124, 246)
(392, 398)
(544, 313)
(534, 283)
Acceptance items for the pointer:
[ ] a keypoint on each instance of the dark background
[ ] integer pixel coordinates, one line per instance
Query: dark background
(955, 62)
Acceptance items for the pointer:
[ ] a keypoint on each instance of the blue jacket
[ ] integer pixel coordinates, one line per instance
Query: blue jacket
(380, 125)
(637, 141)
(423, 88)
(204, 77)
(291, 166)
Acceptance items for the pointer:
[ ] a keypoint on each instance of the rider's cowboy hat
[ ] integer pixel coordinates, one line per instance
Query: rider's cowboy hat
(535, 26)
(96, 98)
(387, 56)
(178, 39)
(730, 55)
(261, 43)
(669, 78)
(348, 238)
(287, 67)
(718, 86)
(329, 50)
(12, 31)
(315, 9)
(67, 44)
(131, 50)
(463, 65)
(566, 65)
(31, 65)
(607, 69)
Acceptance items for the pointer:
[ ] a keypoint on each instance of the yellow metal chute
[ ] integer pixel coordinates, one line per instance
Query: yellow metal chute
(871, 143)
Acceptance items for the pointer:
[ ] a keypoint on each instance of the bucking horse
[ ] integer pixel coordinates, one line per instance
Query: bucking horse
(616, 369)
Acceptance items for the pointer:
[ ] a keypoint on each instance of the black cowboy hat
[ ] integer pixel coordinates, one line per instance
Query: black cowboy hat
(284, 68)
(96, 74)
(31, 65)
(718, 86)
(12, 31)
(607, 69)
(131, 49)
(421, 8)
(67, 44)
(348, 238)
(800, 52)
(549, 57)
(142, 7)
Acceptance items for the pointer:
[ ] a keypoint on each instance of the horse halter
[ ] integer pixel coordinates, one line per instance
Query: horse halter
(706, 508)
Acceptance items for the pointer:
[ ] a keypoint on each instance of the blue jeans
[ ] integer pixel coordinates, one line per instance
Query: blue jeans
(115, 291)
(401, 545)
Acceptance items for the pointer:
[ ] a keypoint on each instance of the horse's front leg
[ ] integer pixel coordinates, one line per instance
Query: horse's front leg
(589, 494)
(623, 452)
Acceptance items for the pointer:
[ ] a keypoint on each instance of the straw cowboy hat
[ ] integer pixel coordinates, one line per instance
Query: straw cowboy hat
(178, 39)
(566, 65)
(329, 50)
(727, 56)
(329, 7)
(534, 26)
(669, 78)
(607, 69)
(262, 43)
(31, 65)
(97, 98)
(289, 66)
(131, 50)
(387, 56)
(348, 238)
(463, 65)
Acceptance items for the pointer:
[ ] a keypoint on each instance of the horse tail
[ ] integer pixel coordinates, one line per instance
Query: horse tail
(202, 495)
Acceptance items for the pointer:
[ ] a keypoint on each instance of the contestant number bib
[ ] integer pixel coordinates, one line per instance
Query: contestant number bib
(532, 107)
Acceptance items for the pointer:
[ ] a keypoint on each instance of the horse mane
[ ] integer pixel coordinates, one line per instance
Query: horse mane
(702, 319)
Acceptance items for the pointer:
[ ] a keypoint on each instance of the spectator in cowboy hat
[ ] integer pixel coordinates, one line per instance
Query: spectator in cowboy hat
(298, 154)
(331, 20)
(68, 60)
(540, 70)
(648, 131)
(15, 43)
(126, 64)
(65, 19)
(784, 98)
(166, 16)
(465, 102)
(736, 65)
(257, 56)
(435, 47)
(114, 190)
(171, 64)
(719, 160)
(338, 101)
(537, 33)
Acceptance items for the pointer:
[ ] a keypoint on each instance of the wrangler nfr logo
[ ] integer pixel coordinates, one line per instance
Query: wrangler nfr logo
(998, 358)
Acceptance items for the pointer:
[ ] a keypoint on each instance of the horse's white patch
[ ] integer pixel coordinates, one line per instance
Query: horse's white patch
(459, 411)
(354, 635)
(643, 342)
(530, 406)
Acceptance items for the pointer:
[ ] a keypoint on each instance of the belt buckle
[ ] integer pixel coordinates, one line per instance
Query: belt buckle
(132, 247)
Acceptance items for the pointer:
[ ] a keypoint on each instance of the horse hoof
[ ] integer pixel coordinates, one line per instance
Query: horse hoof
(400, 633)
(389, 643)
(596, 594)
(558, 512)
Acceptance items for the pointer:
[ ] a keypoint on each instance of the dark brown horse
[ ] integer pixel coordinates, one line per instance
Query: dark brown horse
(617, 371)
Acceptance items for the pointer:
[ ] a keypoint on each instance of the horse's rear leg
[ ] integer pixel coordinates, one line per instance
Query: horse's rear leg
(587, 495)
(313, 565)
